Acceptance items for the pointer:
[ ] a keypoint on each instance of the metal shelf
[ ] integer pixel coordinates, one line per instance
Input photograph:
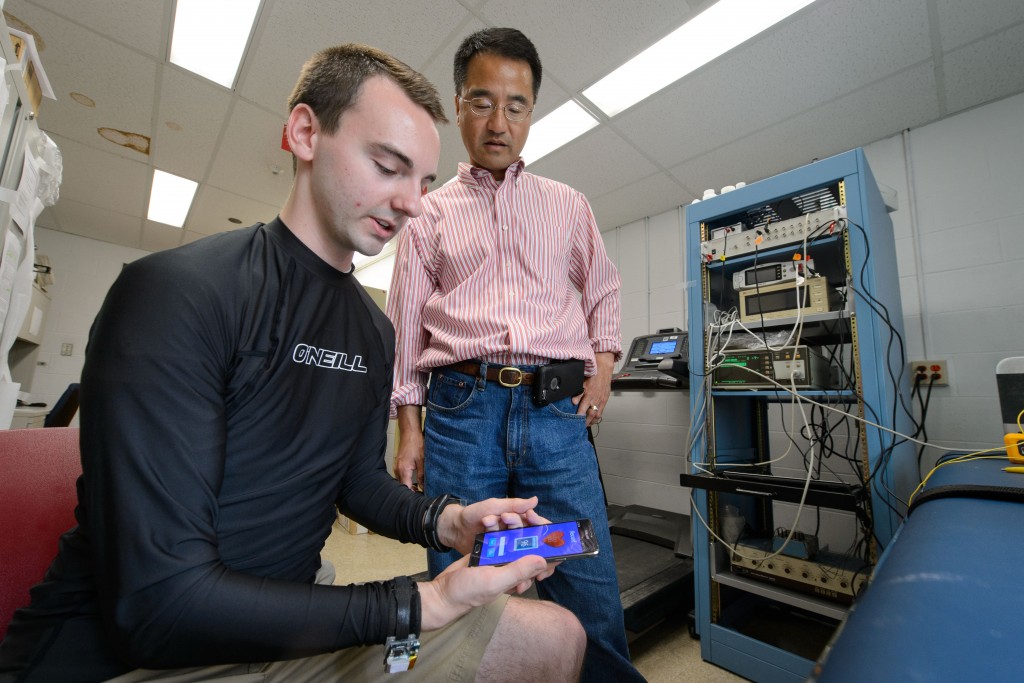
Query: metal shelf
(792, 598)
(783, 396)
(737, 419)
(834, 495)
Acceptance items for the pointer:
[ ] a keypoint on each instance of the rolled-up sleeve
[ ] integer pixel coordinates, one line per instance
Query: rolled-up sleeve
(597, 278)
(411, 286)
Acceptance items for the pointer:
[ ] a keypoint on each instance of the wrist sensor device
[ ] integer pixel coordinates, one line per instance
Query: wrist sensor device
(401, 649)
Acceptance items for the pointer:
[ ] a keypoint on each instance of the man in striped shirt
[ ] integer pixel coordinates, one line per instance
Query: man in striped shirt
(503, 272)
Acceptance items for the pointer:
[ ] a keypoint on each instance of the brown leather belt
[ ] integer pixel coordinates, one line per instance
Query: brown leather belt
(505, 376)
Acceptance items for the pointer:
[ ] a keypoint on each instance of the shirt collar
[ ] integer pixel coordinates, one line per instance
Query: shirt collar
(475, 176)
(294, 246)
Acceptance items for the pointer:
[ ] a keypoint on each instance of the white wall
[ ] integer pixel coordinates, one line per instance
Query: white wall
(641, 442)
(83, 270)
(960, 237)
(377, 273)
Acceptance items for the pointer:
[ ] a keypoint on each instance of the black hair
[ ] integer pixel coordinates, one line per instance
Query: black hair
(503, 42)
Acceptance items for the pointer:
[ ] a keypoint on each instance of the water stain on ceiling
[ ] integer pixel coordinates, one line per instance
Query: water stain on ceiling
(135, 141)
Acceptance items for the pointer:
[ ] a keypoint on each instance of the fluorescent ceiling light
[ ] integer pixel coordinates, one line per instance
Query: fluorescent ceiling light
(712, 33)
(210, 36)
(170, 198)
(564, 124)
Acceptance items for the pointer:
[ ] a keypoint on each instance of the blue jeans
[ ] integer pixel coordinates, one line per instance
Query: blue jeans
(483, 440)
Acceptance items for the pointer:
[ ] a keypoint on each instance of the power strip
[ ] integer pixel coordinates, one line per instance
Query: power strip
(775, 235)
(830, 576)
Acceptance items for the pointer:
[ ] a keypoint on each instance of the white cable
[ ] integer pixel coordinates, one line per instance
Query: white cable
(797, 330)
(806, 399)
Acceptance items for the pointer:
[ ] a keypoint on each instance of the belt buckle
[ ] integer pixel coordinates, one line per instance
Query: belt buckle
(515, 383)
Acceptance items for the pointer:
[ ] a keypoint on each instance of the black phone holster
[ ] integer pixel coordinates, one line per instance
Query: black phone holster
(557, 380)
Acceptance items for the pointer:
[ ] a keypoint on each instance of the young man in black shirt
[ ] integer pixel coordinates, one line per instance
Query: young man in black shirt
(235, 392)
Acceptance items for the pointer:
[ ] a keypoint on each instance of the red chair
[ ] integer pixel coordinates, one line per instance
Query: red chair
(38, 469)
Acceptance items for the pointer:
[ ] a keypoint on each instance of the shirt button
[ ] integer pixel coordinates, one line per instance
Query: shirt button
(504, 227)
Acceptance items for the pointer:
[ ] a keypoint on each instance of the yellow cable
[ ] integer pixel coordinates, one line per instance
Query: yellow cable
(961, 458)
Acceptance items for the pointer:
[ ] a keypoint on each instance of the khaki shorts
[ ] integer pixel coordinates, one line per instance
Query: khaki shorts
(450, 654)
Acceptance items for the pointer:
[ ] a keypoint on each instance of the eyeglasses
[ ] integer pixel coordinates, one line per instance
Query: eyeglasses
(514, 111)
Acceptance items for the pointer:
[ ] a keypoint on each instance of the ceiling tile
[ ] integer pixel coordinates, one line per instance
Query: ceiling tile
(765, 81)
(190, 120)
(985, 70)
(580, 46)
(158, 236)
(140, 25)
(964, 22)
(408, 30)
(866, 115)
(102, 179)
(646, 197)
(99, 223)
(213, 207)
(596, 163)
(249, 149)
(120, 80)
(192, 237)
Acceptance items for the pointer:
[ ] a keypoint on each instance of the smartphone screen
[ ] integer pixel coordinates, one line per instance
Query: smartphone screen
(558, 541)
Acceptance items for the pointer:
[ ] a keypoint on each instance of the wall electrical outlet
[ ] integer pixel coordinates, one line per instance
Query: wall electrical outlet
(66, 349)
(927, 370)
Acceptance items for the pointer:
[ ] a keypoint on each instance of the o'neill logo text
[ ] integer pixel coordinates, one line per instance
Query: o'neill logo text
(304, 354)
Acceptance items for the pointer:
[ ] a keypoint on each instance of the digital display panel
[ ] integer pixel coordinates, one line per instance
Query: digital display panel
(659, 348)
(756, 276)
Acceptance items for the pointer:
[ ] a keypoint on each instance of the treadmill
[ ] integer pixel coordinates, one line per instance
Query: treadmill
(653, 548)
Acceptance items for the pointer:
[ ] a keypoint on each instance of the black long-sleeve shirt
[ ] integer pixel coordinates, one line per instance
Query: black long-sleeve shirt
(234, 390)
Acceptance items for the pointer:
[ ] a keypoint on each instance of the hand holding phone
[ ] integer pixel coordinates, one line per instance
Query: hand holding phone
(554, 542)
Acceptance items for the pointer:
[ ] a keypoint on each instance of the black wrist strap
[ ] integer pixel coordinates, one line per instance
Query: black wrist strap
(402, 648)
(430, 519)
(407, 615)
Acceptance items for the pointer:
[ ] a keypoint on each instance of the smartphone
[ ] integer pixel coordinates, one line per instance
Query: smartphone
(558, 541)
(557, 380)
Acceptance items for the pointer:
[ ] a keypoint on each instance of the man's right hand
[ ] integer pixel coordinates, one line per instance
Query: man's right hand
(409, 456)
(460, 588)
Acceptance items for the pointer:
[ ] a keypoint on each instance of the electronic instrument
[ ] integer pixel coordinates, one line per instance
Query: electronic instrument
(771, 273)
(736, 241)
(802, 367)
(786, 299)
(656, 361)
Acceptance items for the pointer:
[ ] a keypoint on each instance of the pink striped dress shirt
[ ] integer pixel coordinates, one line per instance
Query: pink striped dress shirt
(512, 273)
